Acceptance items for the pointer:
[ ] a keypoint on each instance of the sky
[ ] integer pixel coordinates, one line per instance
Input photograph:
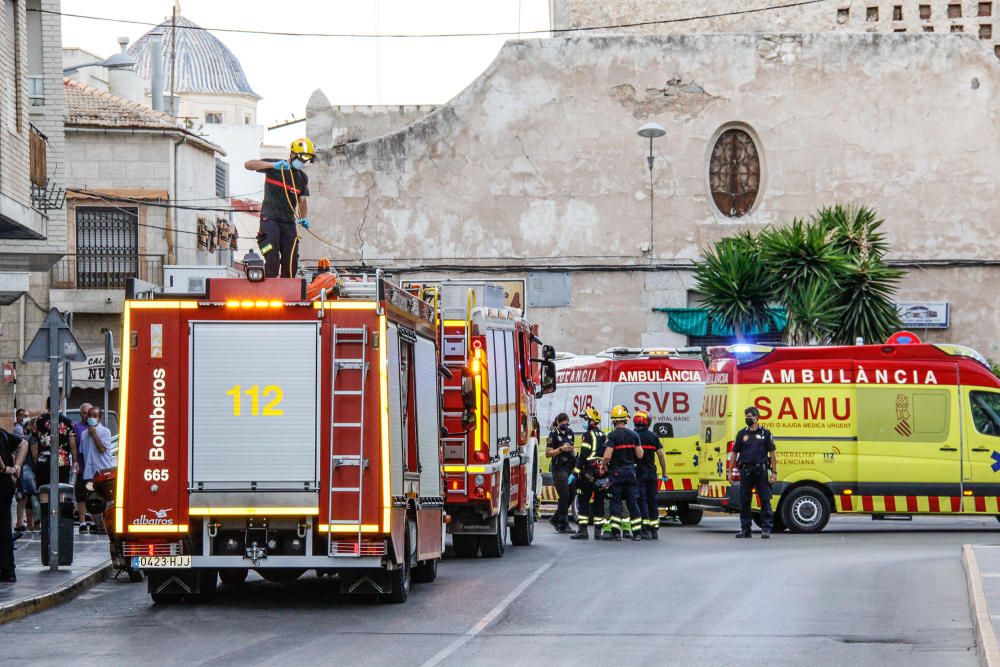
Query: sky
(286, 70)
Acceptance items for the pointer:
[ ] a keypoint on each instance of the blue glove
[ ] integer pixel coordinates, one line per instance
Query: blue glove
(571, 479)
(281, 165)
(664, 479)
(304, 222)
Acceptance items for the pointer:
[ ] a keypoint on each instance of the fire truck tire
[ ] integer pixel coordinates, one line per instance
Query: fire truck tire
(401, 577)
(233, 576)
(466, 546)
(426, 571)
(494, 546)
(805, 510)
(688, 516)
(524, 529)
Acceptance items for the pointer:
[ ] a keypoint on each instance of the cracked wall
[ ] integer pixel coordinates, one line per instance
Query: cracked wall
(536, 165)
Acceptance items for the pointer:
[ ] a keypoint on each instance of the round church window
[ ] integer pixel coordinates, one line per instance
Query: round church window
(734, 173)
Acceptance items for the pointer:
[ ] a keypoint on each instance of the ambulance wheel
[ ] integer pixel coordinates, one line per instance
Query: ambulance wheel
(233, 576)
(805, 510)
(494, 546)
(688, 516)
(401, 577)
(426, 571)
(466, 546)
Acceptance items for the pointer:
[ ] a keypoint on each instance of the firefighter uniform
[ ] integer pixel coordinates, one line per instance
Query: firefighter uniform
(590, 496)
(646, 475)
(622, 442)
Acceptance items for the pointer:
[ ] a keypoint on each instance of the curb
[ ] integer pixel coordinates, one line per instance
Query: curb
(21, 608)
(986, 639)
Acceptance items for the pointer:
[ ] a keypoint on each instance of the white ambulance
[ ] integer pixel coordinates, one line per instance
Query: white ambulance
(668, 383)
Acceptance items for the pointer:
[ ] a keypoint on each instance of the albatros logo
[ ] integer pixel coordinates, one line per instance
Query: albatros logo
(159, 518)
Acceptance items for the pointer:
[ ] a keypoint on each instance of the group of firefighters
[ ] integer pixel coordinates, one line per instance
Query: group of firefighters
(619, 466)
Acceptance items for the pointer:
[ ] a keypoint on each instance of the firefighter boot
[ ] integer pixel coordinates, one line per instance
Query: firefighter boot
(581, 533)
(654, 532)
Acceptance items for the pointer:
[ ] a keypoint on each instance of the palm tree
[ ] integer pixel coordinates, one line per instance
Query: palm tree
(734, 285)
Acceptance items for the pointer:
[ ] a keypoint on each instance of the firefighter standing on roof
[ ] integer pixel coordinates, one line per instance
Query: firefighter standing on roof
(646, 475)
(286, 188)
(587, 474)
(753, 451)
(621, 455)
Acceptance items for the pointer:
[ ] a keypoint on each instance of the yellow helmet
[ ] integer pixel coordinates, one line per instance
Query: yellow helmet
(591, 414)
(619, 413)
(303, 148)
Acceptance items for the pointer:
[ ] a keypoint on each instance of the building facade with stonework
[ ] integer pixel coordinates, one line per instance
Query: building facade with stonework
(32, 186)
(535, 171)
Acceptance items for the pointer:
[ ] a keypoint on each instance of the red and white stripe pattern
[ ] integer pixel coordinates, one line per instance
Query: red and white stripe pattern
(713, 490)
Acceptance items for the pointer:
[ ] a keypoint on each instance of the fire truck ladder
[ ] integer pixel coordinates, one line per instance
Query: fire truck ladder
(455, 356)
(357, 381)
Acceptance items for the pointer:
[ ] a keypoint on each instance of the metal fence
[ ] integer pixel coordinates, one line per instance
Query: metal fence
(106, 271)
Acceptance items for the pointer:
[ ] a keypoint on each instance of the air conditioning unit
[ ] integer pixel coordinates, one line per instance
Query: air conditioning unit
(191, 278)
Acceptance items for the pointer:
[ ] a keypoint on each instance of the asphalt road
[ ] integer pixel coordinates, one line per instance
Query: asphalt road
(861, 592)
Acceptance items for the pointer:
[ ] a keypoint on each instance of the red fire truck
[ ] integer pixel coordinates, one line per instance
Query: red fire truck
(490, 465)
(263, 430)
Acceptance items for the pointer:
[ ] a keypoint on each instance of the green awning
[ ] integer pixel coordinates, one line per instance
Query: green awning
(695, 322)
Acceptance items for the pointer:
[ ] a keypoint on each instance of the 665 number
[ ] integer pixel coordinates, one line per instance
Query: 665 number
(156, 474)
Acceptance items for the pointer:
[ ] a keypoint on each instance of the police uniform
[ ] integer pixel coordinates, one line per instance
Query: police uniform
(590, 499)
(646, 474)
(751, 451)
(277, 238)
(562, 467)
(621, 471)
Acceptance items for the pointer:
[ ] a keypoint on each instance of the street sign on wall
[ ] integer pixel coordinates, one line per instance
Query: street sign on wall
(923, 314)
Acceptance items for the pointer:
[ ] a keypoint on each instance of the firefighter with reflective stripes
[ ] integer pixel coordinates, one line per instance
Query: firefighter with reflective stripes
(588, 473)
(286, 188)
(646, 474)
(622, 454)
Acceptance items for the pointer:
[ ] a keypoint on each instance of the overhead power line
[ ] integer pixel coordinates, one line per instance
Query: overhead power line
(521, 33)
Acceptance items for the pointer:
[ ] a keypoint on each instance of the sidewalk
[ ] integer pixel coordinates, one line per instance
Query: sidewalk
(37, 588)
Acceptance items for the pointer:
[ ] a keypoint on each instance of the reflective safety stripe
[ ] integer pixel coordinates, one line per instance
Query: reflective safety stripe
(266, 248)
(581, 521)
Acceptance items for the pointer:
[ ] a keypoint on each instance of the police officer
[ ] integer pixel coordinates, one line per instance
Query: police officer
(646, 474)
(589, 469)
(753, 452)
(560, 449)
(623, 452)
(286, 191)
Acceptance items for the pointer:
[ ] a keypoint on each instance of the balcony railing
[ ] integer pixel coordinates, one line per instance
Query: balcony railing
(106, 271)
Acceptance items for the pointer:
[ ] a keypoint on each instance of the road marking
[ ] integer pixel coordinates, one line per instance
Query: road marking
(488, 618)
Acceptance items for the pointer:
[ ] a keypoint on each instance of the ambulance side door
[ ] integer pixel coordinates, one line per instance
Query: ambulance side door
(908, 434)
(981, 417)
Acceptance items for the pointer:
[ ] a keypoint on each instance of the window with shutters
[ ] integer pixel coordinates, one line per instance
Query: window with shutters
(734, 173)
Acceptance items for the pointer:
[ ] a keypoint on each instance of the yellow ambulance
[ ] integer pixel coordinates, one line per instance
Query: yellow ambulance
(665, 382)
(889, 430)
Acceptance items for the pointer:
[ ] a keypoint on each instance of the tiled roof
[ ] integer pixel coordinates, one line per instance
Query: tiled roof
(203, 63)
(87, 106)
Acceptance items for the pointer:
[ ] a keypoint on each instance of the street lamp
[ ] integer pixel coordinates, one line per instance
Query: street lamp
(120, 60)
(651, 131)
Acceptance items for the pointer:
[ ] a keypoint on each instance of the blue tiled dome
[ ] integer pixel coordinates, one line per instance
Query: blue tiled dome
(203, 63)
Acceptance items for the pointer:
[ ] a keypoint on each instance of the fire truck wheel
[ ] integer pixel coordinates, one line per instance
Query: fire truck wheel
(805, 510)
(466, 546)
(495, 545)
(524, 529)
(233, 576)
(400, 578)
(426, 571)
(688, 516)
